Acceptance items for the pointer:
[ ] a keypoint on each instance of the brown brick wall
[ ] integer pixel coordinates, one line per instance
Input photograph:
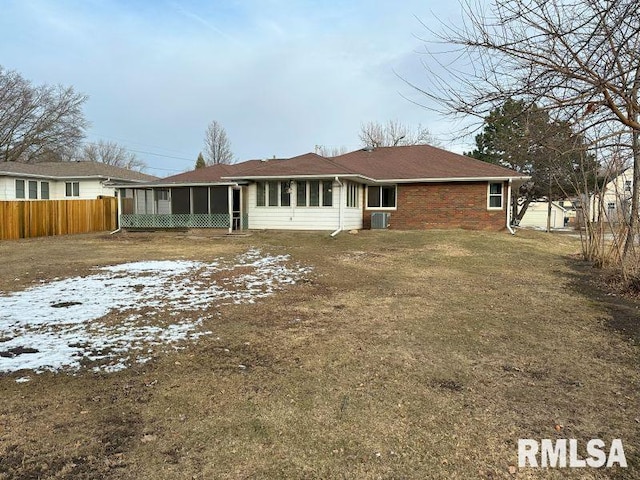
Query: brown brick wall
(444, 205)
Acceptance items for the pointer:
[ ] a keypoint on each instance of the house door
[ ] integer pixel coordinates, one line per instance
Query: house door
(236, 216)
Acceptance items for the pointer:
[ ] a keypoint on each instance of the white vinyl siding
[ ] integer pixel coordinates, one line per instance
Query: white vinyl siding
(296, 216)
(89, 189)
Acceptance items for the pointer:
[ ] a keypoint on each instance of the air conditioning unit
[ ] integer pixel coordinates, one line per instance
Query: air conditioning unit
(380, 220)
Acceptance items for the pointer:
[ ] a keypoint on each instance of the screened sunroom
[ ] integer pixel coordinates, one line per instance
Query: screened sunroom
(184, 206)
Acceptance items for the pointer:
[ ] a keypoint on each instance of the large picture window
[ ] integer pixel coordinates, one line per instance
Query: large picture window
(495, 195)
(381, 196)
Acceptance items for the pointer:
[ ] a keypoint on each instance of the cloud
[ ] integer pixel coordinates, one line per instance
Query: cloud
(280, 76)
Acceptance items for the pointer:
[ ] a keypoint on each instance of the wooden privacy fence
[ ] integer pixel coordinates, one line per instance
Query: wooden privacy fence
(40, 218)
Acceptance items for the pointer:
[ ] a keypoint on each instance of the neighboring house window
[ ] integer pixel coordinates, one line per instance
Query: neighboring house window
(611, 206)
(19, 188)
(627, 185)
(273, 193)
(44, 190)
(381, 197)
(352, 195)
(285, 194)
(33, 189)
(495, 195)
(261, 194)
(327, 193)
(72, 189)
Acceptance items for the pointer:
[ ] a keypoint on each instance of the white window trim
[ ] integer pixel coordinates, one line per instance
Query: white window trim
(489, 195)
(366, 199)
(72, 194)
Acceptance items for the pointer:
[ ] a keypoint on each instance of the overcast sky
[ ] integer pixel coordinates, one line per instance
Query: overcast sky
(281, 76)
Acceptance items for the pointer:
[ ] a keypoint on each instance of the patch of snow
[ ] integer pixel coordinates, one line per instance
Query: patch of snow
(124, 313)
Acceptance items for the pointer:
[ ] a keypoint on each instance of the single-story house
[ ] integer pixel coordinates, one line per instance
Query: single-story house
(537, 212)
(408, 187)
(64, 180)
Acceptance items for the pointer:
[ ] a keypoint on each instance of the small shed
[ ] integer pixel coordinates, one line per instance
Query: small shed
(536, 215)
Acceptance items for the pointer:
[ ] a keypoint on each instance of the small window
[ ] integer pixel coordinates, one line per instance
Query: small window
(495, 195)
(44, 190)
(627, 185)
(285, 194)
(352, 195)
(327, 193)
(33, 190)
(162, 195)
(381, 197)
(19, 188)
(273, 193)
(301, 194)
(314, 193)
(72, 189)
(611, 205)
(261, 194)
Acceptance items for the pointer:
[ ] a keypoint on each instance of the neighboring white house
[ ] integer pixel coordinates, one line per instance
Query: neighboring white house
(614, 204)
(63, 180)
(537, 212)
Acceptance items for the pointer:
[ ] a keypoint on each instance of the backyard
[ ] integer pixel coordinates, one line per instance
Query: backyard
(294, 355)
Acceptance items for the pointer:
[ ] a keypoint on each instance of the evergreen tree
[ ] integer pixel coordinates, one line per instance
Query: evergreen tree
(200, 163)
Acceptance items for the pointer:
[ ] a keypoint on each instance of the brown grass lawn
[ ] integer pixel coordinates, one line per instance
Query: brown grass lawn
(405, 355)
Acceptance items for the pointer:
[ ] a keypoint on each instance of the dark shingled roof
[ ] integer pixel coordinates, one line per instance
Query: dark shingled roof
(419, 162)
(81, 169)
(408, 163)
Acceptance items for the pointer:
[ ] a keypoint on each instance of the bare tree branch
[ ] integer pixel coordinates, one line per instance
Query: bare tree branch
(217, 147)
(38, 122)
(112, 154)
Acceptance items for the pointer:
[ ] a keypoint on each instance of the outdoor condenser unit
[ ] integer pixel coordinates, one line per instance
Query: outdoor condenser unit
(380, 220)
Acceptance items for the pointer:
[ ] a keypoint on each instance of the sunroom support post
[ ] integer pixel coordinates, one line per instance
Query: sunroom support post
(230, 204)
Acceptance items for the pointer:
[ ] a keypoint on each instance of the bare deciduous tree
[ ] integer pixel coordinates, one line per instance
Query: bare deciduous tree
(329, 152)
(394, 133)
(217, 147)
(38, 122)
(578, 59)
(112, 153)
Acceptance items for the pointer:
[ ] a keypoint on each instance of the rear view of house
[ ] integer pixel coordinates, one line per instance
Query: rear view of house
(410, 187)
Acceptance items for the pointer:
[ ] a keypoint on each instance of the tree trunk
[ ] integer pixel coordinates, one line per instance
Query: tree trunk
(635, 196)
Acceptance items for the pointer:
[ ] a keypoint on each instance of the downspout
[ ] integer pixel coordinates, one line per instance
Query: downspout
(509, 209)
(119, 192)
(340, 219)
